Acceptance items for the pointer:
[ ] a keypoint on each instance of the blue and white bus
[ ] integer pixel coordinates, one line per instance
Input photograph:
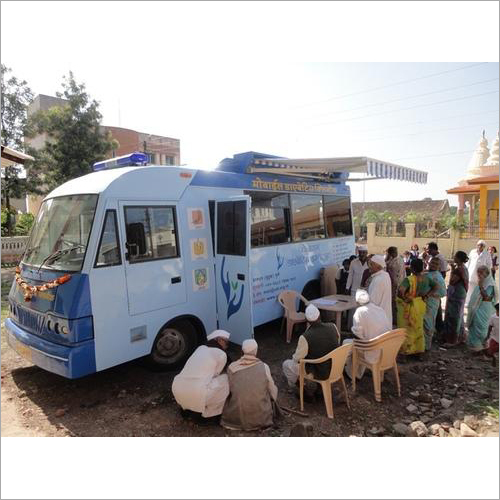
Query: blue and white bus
(153, 258)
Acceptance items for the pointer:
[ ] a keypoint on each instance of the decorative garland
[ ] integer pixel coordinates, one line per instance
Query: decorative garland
(30, 290)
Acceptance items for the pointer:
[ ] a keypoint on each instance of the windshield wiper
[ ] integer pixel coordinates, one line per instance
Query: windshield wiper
(59, 253)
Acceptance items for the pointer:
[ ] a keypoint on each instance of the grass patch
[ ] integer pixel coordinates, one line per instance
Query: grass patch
(483, 407)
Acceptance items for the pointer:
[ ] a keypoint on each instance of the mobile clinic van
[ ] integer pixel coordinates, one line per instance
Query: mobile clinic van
(136, 260)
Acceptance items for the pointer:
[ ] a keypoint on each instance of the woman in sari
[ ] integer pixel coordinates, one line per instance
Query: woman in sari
(411, 307)
(481, 308)
(455, 301)
(433, 300)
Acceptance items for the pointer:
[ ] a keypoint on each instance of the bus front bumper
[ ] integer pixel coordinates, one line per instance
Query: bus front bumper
(69, 361)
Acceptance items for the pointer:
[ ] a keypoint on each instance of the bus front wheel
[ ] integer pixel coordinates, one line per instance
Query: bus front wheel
(173, 345)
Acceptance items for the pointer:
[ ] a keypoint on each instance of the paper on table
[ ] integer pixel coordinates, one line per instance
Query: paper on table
(324, 302)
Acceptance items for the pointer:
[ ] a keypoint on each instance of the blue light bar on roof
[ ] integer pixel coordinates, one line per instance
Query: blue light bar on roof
(130, 160)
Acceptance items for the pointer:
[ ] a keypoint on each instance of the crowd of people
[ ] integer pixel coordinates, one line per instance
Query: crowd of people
(391, 291)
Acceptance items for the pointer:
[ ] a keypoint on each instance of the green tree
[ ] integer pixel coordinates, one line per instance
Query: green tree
(24, 224)
(8, 216)
(15, 97)
(413, 217)
(75, 139)
(370, 216)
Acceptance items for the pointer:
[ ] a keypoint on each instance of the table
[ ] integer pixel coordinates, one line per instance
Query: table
(344, 303)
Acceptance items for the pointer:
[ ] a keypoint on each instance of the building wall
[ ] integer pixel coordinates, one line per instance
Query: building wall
(162, 150)
(447, 246)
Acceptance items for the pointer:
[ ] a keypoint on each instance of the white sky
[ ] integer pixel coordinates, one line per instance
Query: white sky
(224, 78)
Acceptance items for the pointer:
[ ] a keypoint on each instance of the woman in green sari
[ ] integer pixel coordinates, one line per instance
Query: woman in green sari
(411, 307)
(433, 300)
(481, 308)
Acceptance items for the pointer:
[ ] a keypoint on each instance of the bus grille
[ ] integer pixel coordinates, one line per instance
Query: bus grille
(30, 320)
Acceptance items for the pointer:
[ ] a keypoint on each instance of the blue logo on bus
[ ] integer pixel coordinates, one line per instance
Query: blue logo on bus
(228, 287)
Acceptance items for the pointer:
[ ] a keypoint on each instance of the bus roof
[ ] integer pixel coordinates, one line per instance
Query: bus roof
(130, 182)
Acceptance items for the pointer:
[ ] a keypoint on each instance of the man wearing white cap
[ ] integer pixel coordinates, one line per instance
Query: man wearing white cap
(369, 322)
(380, 288)
(200, 387)
(478, 256)
(319, 339)
(356, 269)
(252, 392)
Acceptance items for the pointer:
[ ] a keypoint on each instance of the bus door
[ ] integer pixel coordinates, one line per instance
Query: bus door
(153, 264)
(232, 267)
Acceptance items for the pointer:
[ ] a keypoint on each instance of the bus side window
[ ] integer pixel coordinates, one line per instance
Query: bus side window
(337, 211)
(231, 228)
(151, 233)
(108, 253)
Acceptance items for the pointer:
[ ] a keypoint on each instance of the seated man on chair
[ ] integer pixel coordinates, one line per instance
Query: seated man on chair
(317, 341)
(369, 321)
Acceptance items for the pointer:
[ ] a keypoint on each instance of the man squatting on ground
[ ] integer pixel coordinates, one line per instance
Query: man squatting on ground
(201, 388)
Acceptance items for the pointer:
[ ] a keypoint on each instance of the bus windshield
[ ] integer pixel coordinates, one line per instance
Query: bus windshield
(61, 232)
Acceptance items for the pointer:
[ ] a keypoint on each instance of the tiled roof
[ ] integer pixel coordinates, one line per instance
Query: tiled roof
(487, 179)
(430, 208)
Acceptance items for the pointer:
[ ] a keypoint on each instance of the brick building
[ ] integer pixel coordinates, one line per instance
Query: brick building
(161, 150)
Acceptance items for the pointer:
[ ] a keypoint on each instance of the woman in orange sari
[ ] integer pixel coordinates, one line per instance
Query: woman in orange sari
(411, 307)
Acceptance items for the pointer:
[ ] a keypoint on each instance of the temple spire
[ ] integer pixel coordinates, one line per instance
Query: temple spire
(479, 157)
(493, 158)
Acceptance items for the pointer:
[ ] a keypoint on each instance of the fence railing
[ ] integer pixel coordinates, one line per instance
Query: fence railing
(423, 230)
(13, 248)
(487, 233)
(390, 228)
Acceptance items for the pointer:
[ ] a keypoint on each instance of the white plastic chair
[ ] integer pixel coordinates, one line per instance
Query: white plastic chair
(288, 300)
(338, 358)
(389, 345)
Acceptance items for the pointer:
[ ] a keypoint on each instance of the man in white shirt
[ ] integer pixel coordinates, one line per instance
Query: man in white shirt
(479, 256)
(356, 270)
(369, 322)
(380, 289)
(200, 387)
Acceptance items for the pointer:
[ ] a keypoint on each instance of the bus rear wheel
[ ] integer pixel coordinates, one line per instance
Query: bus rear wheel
(173, 345)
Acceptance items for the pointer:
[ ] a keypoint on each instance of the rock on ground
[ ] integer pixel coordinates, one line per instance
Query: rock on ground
(417, 429)
(445, 403)
(442, 433)
(471, 421)
(412, 408)
(466, 431)
(434, 429)
(400, 429)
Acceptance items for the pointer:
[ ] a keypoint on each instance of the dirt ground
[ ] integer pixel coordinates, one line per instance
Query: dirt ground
(130, 400)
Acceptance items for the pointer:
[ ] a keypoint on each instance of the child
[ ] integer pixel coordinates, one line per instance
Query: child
(493, 336)
(341, 278)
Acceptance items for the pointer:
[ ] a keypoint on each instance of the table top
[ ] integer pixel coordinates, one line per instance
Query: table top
(344, 303)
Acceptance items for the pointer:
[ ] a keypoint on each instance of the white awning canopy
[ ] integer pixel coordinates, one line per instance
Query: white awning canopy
(376, 169)
(12, 157)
